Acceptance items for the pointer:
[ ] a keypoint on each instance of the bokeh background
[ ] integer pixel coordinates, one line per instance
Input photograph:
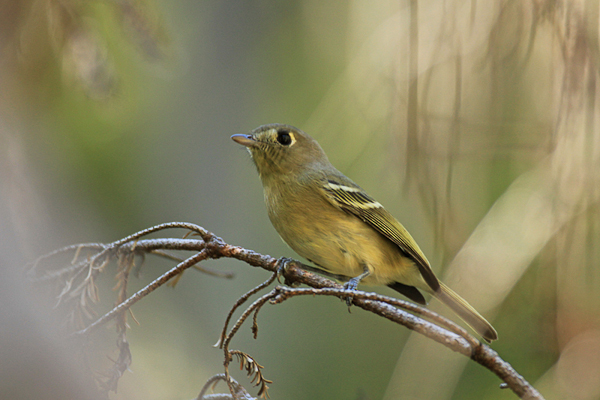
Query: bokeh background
(474, 122)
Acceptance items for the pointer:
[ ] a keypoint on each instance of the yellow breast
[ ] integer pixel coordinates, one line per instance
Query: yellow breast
(338, 242)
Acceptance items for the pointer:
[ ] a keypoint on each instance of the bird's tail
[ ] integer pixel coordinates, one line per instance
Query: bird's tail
(466, 312)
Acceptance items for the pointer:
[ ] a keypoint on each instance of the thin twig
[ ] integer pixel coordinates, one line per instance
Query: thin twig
(212, 382)
(283, 293)
(208, 271)
(155, 284)
(227, 339)
(238, 303)
(210, 246)
(257, 304)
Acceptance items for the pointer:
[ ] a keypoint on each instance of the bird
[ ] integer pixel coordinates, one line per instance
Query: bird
(333, 223)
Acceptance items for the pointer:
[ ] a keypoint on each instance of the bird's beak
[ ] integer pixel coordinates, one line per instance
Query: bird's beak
(244, 140)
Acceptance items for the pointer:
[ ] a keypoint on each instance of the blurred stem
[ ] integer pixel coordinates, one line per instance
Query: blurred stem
(412, 145)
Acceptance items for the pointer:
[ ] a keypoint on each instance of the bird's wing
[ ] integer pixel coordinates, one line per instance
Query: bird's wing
(351, 198)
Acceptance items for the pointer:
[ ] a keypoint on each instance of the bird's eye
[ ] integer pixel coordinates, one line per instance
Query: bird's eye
(284, 138)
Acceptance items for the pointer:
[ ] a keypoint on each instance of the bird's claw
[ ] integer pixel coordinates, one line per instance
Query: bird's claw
(282, 265)
(350, 286)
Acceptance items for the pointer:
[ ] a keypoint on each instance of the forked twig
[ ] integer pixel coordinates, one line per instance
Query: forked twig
(140, 294)
(238, 303)
(240, 392)
(78, 282)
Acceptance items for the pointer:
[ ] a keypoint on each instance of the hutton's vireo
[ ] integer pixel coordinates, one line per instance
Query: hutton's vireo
(330, 220)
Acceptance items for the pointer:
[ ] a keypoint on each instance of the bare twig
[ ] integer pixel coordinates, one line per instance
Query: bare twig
(251, 366)
(451, 335)
(238, 303)
(80, 275)
(283, 293)
(155, 284)
(208, 271)
(240, 392)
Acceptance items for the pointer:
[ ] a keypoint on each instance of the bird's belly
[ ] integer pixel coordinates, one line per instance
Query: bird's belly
(348, 246)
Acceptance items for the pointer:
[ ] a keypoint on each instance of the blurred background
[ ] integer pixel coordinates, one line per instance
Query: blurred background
(473, 122)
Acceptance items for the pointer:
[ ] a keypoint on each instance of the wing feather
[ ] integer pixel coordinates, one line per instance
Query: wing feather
(352, 199)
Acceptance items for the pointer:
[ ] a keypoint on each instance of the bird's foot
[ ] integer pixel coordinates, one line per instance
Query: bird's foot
(282, 265)
(350, 286)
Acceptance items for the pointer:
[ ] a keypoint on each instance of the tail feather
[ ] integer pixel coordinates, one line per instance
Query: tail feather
(409, 291)
(466, 312)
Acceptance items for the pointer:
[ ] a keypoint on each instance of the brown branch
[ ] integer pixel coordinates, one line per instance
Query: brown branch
(209, 246)
(238, 303)
(450, 335)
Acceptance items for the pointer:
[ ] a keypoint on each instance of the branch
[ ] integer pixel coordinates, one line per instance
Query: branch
(240, 392)
(79, 277)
